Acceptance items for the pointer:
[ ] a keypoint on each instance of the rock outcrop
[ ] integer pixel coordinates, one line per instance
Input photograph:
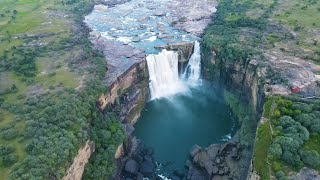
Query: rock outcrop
(241, 76)
(136, 74)
(305, 173)
(218, 161)
(138, 162)
(77, 168)
(184, 49)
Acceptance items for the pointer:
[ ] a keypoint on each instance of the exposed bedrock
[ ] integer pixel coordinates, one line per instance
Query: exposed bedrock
(246, 78)
(185, 49)
(218, 161)
(76, 169)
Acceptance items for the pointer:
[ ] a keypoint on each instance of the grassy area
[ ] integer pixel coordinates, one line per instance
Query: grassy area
(313, 144)
(261, 151)
(303, 18)
(32, 23)
(267, 108)
(7, 118)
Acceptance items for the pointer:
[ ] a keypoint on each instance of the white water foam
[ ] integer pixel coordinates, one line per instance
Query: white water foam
(192, 72)
(164, 76)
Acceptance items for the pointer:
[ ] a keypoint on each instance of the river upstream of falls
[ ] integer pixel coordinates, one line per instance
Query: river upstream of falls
(183, 111)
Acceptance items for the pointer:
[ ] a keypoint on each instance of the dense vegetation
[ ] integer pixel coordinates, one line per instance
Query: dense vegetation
(46, 113)
(223, 34)
(225, 37)
(296, 126)
(242, 31)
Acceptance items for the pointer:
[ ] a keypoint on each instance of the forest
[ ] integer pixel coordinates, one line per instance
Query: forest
(47, 129)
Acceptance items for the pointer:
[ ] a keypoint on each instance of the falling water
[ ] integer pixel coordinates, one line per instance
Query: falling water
(193, 69)
(164, 75)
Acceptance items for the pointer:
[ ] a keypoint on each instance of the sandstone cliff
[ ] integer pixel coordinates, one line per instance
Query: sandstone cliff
(77, 168)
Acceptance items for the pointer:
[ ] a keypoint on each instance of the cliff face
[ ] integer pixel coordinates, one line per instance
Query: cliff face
(126, 96)
(244, 84)
(243, 77)
(77, 168)
(185, 50)
(136, 75)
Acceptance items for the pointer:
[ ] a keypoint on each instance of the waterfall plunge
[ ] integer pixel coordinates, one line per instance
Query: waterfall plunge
(164, 76)
(193, 69)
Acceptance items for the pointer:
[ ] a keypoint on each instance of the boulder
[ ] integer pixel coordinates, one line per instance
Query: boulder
(179, 173)
(225, 170)
(139, 176)
(185, 49)
(195, 149)
(147, 167)
(131, 166)
(215, 170)
(213, 150)
(136, 39)
(160, 13)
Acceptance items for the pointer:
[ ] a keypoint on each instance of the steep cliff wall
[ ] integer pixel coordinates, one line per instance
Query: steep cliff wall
(244, 84)
(77, 168)
(126, 96)
(242, 77)
(136, 75)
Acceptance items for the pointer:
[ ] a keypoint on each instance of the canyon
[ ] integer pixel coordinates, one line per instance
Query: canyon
(166, 89)
(131, 33)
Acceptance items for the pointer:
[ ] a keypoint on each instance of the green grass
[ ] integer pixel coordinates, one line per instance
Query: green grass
(267, 108)
(53, 71)
(294, 13)
(62, 75)
(233, 17)
(261, 151)
(302, 18)
(313, 143)
(22, 88)
(29, 20)
(32, 18)
(7, 118)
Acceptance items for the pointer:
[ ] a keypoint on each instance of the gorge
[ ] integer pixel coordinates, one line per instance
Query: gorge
(159, 89)
(152, 58)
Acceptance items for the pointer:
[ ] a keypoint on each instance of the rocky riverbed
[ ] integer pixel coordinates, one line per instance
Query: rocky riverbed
(127, 31)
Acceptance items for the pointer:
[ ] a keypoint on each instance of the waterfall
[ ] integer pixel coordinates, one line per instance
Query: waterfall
(164, 75)
(193, 70)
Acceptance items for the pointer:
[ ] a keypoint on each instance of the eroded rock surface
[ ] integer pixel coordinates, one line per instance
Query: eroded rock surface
(306, 173)
(127, 31)
(218, 161)
(76, 169)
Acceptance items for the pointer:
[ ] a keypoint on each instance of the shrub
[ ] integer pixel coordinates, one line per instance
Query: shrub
(292, 159)
(306, 108)
(310, 158)
(276, 114)
(275, 150)
(280, 174)
(305, 120)
(9, 159)
(9, 134)
(315, 128)
(6, 149)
